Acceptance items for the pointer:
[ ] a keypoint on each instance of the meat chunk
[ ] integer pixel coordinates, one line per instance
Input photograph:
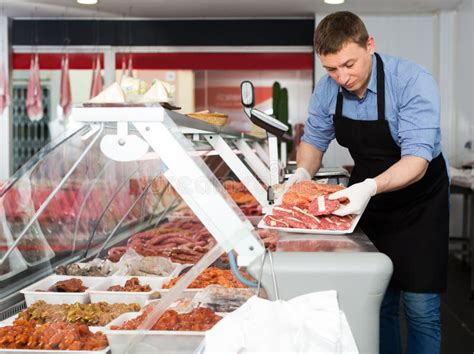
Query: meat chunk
(323, 206)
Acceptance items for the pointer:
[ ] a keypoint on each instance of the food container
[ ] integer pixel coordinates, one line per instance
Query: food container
(164, 342)
(52, 297)
(106, 350)
(100, 293)
(44, 351)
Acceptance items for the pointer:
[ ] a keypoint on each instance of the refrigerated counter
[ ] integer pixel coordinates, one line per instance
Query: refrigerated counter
(305, 263)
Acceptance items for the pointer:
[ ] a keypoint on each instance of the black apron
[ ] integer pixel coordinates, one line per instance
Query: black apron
(411, 225)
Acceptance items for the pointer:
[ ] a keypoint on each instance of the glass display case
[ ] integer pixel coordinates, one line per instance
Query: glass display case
(72, 202)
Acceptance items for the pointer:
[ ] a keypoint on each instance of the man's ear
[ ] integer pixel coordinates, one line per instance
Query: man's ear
(371, 45)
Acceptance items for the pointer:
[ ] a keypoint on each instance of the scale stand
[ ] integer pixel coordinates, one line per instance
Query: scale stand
(274, 128)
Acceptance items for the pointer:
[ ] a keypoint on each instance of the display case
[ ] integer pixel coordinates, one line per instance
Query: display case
(71, 202)
(128, 174)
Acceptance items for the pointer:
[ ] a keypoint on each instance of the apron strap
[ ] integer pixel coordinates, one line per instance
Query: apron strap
(380, 88)
(380, 92)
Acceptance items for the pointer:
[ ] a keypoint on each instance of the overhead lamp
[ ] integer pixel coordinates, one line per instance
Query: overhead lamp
(87, 2)
(334, 2)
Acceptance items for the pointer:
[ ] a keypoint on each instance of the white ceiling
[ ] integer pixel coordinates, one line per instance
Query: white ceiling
(214, 8)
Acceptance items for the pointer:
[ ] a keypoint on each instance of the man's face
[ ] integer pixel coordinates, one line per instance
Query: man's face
(351, 66)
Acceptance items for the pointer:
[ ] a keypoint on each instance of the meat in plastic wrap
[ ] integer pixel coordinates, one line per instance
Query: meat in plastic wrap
(4, 89)
(34, 97)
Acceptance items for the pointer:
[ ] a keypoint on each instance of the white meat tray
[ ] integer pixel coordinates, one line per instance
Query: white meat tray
(106, 350)
(31, 296)
(164, 342)
(262, 225)
(99, 293)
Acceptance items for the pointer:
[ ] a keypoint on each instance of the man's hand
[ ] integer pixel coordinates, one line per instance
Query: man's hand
(358, 194)
(301, 174)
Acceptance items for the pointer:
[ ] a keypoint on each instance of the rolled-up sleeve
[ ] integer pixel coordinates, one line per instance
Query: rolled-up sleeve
(319, 128)
(419, 121)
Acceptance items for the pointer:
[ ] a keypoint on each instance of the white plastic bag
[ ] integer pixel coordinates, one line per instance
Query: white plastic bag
(311, 323)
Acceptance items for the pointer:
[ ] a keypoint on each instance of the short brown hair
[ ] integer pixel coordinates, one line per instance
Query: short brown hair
(337, 29)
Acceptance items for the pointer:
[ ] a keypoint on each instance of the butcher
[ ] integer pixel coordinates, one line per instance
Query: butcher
(386, 111)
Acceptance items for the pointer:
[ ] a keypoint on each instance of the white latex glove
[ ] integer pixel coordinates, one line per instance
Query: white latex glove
(358, 194)
(301, 174)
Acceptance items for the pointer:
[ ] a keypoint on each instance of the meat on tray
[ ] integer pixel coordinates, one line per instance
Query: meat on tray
(131, 285)
(25, 334)
(323, 206)
(212, 276)
(306, 206)
(96, 314)
(72, 285)
(199, 319)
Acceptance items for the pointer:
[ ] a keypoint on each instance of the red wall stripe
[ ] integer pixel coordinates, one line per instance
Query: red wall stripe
(192, 61)
(219, 61)
(52, 61)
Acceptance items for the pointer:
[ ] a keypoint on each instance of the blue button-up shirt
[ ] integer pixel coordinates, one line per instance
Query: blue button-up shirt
(411, 108)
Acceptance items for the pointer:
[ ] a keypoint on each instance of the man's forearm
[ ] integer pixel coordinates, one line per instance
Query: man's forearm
(309, 158)
(408, 170)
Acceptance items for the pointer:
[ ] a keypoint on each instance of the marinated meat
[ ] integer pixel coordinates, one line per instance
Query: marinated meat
(72, 285)
(96, 314)
(199, 319)
(303, 193)
(25, 334)
(212, 275)
(131, 285)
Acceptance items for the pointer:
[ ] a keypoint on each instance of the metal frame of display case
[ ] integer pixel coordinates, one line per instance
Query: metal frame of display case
(150, 121)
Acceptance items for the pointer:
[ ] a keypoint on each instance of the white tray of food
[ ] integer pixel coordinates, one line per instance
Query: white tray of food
(306, 208)
(354, 219)
(53, 297)
(151, 341)
(100, 293)
(106, 350)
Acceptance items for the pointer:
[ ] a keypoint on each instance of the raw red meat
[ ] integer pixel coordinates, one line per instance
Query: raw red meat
(323, 206)
(275, 222)
(66, 100)
(295, 222)
(34, 98)
(4, 89)
(96, 86)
